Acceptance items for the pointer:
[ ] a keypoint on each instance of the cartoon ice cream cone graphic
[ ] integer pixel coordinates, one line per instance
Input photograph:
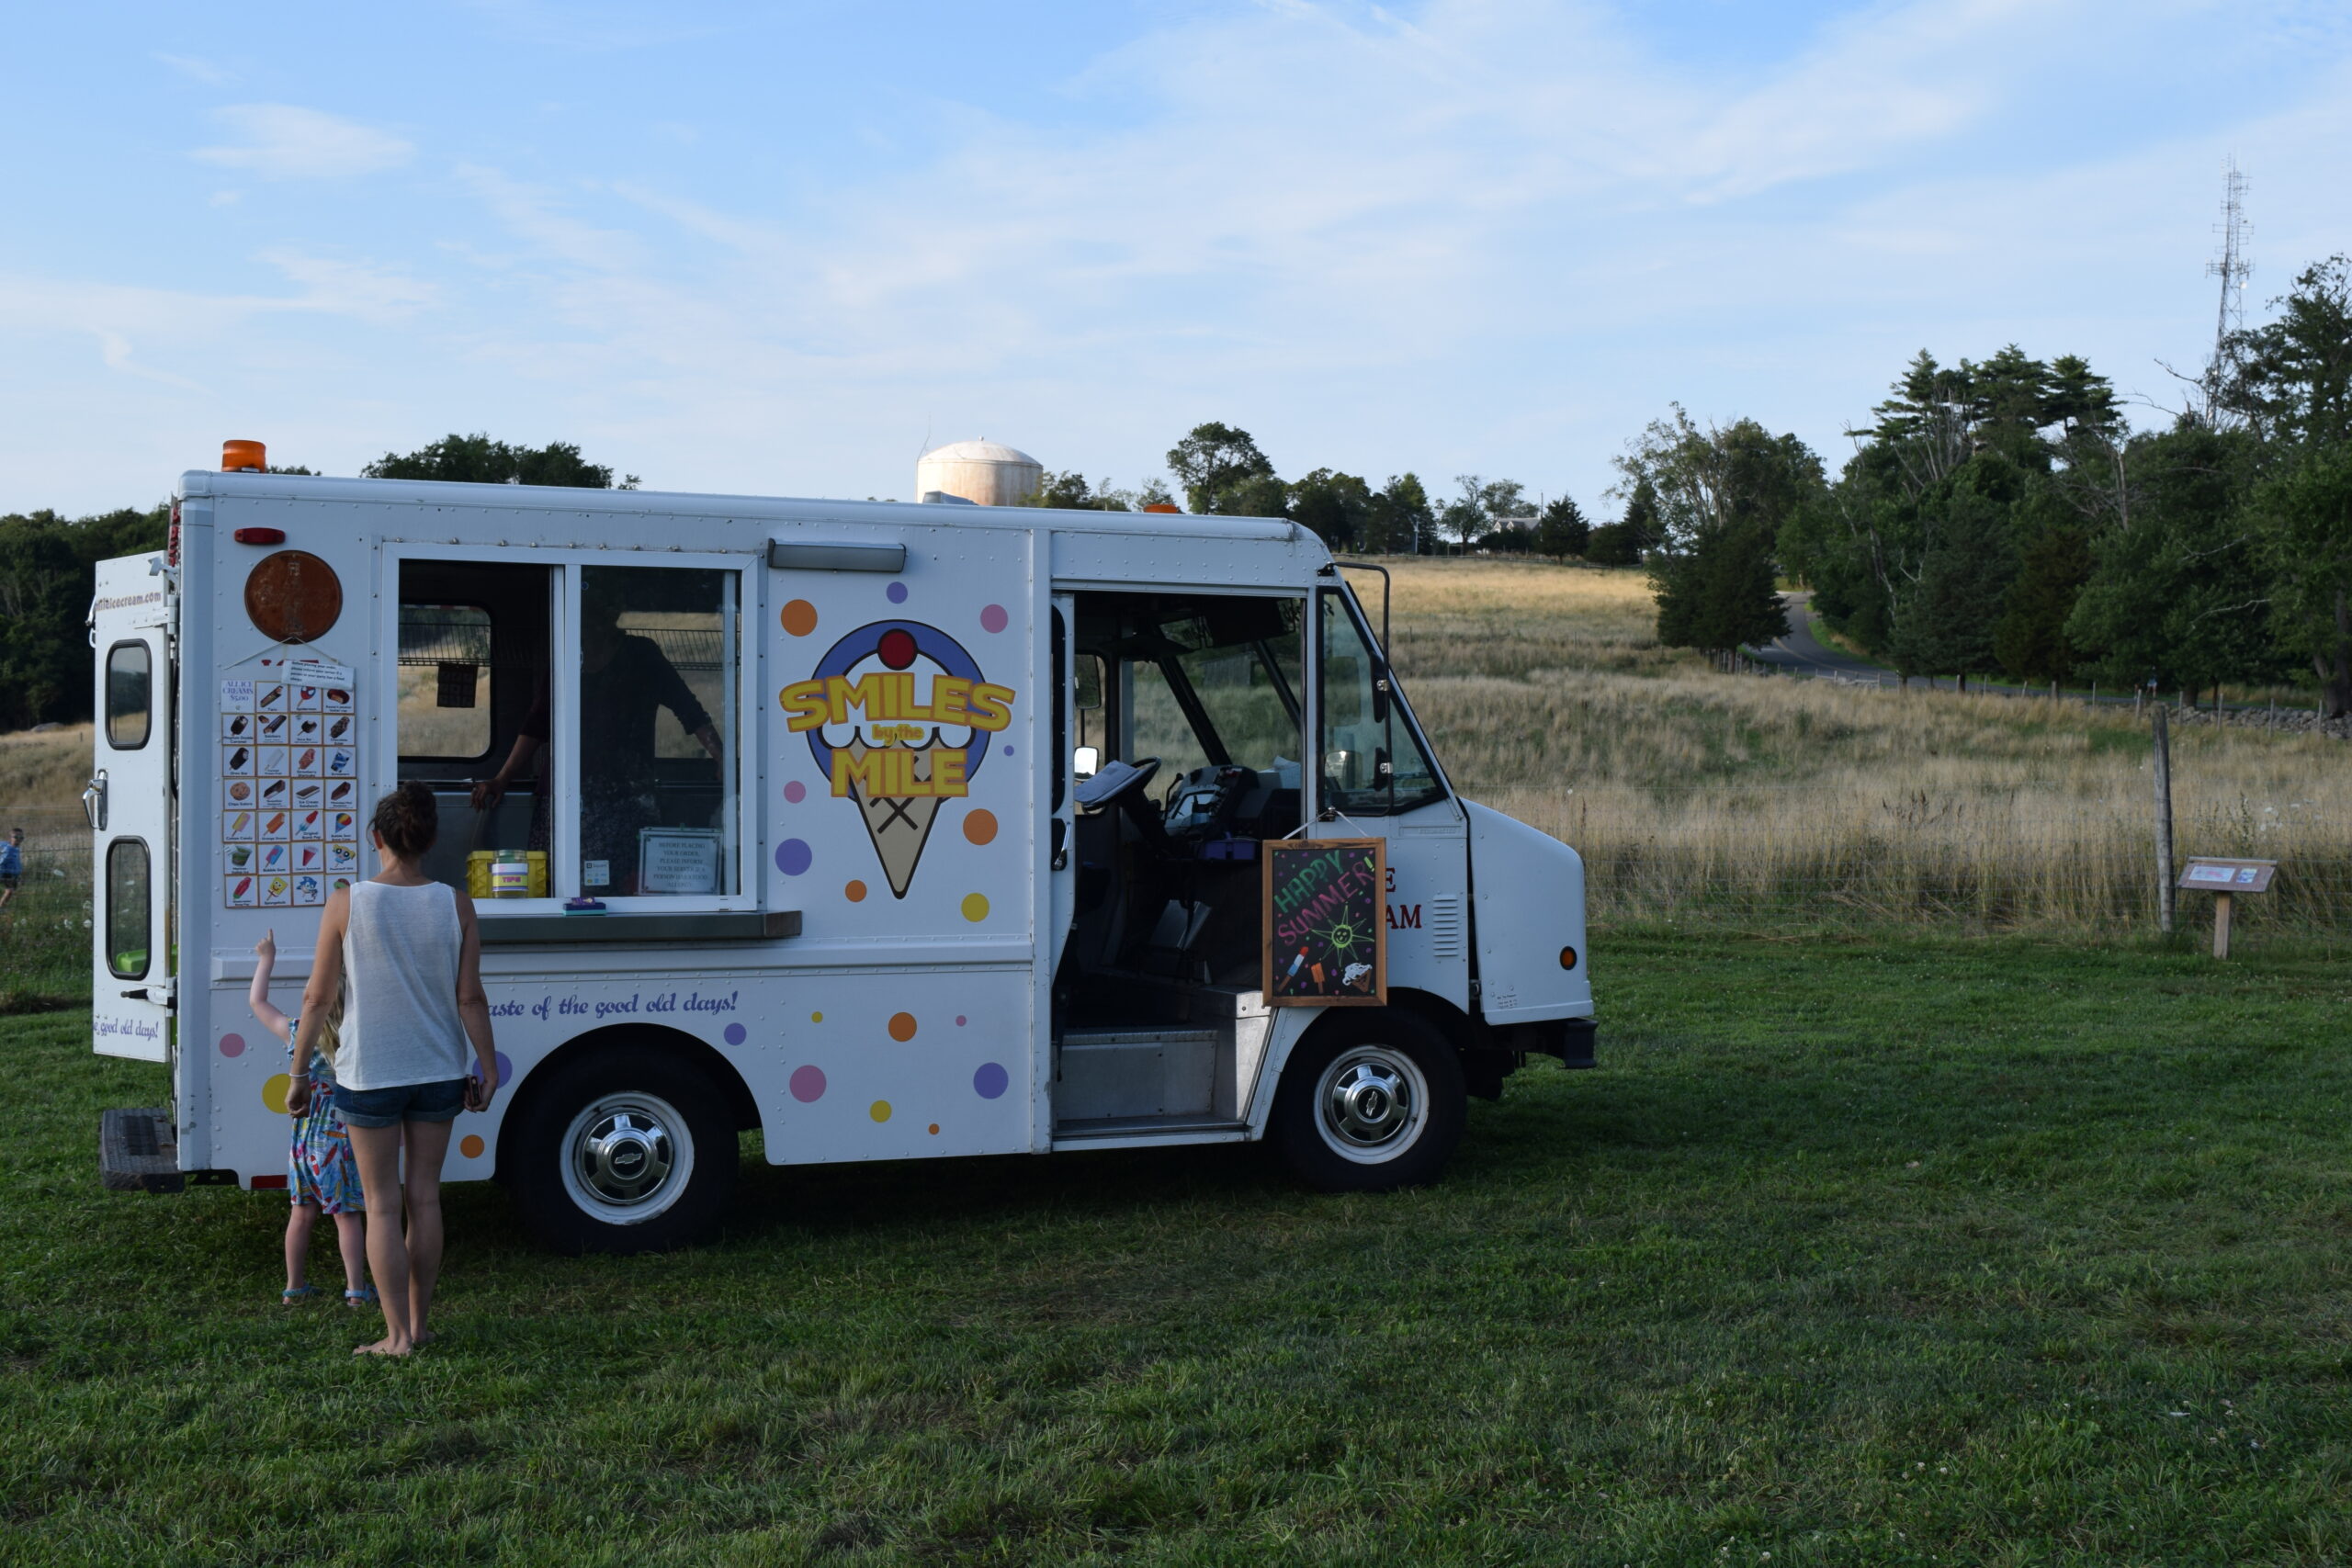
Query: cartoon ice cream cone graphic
(899, 825)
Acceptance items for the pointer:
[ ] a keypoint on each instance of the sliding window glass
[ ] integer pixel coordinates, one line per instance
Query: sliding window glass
(660, 659)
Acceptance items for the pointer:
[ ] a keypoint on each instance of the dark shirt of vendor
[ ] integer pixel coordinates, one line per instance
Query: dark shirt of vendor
(619, 704)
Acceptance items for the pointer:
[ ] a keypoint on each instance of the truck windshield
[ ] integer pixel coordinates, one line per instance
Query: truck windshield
(1216, 681)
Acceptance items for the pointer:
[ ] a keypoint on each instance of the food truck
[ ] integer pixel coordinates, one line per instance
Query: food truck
(890, 831)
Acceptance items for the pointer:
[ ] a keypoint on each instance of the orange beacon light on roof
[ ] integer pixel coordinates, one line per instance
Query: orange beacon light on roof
(250, 455)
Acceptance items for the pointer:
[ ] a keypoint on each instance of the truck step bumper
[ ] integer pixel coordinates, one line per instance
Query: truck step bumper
(139, 1151)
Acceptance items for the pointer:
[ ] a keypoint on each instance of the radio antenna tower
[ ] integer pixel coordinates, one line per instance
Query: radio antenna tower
(2234, 267)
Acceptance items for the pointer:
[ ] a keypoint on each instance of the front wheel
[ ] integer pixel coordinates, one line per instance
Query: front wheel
(1371, 1100)
(623, 1150)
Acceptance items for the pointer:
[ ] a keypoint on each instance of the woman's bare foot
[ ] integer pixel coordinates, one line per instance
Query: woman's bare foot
(425, 1339)
(382, 1348)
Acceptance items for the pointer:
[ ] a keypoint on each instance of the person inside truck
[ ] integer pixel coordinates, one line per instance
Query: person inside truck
(624, 682)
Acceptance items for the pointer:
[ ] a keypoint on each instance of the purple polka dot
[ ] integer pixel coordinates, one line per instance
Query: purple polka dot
(994, 619)
(808, 1084)
(794, 856)
(734, 1034)
(499, 1060)
(1008, 750)
(896, 592)
(990, 1081)
(232, 1044)
(795, 792)
(959, 1020)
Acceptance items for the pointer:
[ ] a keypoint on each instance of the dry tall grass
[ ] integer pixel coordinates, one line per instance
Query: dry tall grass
(1548, 697)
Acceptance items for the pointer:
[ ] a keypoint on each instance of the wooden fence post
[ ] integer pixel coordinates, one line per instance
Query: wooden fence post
(2163, 770)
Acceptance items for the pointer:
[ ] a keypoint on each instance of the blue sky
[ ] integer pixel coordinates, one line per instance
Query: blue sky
(773, 249)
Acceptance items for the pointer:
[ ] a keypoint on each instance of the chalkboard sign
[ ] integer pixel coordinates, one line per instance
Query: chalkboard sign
(1326, 923)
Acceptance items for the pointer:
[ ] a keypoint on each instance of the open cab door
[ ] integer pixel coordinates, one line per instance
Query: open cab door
(129, 807)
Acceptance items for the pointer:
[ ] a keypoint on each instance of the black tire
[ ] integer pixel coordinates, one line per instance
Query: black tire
(622, 1149)
(1371, 1100)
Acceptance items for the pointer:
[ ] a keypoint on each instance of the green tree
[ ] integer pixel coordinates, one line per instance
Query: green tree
(1223, 472)
(2292, 384)
(1402, 522)
(48, 575)
(2030, 638)
(478, 460)
(2304, 518)
(1337, 508)
(1561, 530)
(1626, 541)
(1717, 591)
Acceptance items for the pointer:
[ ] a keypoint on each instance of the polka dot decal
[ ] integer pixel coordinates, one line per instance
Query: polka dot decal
(879, 1111)
(815, 1018)
(897, 648)
(895, 593)
(1008, 750)
(902, 1026)
(994, 619)
(801, 617)
(735, 1034)
(975, 907)
(233, 1045)
(990, 1081)
(273, 1093)
(794, 856)
(795, 792)
(505, 1066)
(472, 1145)
(959, 1020)
(808, 1084)
(934, 1129)
(980, 826)
(854, 892)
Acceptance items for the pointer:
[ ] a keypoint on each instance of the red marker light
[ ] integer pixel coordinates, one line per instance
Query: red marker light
(1567, 958)
(259, 535)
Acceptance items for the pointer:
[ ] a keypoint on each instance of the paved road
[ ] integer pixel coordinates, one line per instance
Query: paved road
(1801, 652)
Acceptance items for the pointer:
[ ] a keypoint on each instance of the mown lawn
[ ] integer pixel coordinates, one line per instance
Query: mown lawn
(1853, 1251)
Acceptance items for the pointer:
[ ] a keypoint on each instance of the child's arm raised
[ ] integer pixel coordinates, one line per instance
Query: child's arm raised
(265, 961)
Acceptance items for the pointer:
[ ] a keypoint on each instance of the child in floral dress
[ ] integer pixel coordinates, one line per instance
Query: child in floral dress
(321, 1176)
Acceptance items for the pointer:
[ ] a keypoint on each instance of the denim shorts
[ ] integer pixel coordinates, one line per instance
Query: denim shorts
(406, 1102)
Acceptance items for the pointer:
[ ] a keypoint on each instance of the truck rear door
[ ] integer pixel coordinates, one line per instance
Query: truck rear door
(129, 807)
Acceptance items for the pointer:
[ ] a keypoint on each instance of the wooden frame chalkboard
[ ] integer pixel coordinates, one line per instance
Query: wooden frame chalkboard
(1325, 908)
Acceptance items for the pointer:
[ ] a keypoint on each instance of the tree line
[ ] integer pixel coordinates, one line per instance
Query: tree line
(2002, 518)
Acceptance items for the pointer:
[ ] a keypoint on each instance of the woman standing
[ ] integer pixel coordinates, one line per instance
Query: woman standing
(405, 954)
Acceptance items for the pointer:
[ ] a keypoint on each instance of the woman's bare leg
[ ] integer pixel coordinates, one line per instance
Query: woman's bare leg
(428, 1145)
(351, 1236)
(378, 1150)
(297, 1244)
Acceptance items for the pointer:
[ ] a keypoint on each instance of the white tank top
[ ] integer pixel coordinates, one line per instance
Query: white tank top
(400, 969)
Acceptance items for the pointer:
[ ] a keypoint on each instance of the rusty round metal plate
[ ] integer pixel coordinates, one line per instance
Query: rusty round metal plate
(293, 596)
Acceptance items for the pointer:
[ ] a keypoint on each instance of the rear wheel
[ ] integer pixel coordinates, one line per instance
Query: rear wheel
(1370, 1100)
(623, 1150)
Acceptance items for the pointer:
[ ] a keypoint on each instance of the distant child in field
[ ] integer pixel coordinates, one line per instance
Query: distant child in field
(321, 1175)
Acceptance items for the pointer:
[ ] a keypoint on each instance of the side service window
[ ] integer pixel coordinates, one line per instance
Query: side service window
(659, 664)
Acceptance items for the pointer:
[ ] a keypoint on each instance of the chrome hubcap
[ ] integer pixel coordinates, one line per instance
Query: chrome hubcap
(1370, 1101)
(626, 1157)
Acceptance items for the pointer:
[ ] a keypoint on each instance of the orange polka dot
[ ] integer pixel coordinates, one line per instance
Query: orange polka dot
(934, 1129)
(980, 827)
(472, 1145)
(902, 1026)
(854, 892)
(801, 617)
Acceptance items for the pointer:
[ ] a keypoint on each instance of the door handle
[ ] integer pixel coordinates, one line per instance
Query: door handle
(94, 801)
(1060, 836)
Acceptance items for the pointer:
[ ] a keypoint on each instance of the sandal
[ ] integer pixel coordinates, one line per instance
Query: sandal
(298, 1293)
(365, 1296)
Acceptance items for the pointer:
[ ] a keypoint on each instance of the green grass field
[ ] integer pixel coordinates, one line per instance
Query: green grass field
(1854, 1251)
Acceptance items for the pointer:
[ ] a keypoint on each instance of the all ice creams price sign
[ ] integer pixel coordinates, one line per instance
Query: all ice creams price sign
(897, 715)
(1327, 931)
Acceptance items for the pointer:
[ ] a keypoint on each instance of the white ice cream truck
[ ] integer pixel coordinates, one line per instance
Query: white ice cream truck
(891, 832)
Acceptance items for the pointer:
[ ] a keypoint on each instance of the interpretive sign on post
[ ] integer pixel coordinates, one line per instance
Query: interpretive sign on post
(2223, 878)
(1326, 934)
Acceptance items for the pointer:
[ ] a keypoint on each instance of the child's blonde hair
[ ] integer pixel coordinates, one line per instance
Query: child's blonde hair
(330, 1028)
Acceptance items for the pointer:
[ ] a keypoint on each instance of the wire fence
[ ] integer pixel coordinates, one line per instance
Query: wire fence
(1790, 857)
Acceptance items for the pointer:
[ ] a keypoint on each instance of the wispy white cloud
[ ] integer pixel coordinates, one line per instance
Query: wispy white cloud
(284, 142)
(195, 69)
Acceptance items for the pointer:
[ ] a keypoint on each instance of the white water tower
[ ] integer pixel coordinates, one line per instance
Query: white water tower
(983, 473)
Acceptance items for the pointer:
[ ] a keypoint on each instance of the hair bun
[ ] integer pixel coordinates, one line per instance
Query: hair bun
(408, 819)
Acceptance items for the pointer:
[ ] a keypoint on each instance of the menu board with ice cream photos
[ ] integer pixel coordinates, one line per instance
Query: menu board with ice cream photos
(289, 785)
